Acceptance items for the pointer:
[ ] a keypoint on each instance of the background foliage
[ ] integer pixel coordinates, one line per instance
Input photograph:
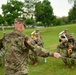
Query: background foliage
(34, 11)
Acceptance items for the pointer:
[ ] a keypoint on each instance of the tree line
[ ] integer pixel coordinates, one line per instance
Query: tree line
(34, 12)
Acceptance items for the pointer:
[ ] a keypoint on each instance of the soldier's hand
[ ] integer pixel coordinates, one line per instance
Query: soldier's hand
(29, 41)
(56, 55)
(71, 46)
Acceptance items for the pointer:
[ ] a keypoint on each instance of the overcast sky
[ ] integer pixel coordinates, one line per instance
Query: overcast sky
(60, 7)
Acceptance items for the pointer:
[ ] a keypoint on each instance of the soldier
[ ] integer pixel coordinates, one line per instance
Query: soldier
(72, 42)
(63, 38)
(17, 46)
(36, 36)
(70, 53)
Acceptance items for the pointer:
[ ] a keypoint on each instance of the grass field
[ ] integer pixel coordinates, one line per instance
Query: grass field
(53, 66)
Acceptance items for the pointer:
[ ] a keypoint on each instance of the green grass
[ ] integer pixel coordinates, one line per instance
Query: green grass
(53, 66)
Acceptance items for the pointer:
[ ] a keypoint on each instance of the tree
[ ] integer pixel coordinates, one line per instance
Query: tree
(70, 1)
(29, 21)
(29, 8)
(64, 20)
(13, 9)
(57, 21)
(72, 15)
(72, 12)
(44, 12)
(1, 20)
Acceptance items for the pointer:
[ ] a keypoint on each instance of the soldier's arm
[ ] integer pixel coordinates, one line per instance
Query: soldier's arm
(39, 50)
(42, 52)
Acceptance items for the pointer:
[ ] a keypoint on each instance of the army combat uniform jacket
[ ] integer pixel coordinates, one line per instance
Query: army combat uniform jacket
(16, 52)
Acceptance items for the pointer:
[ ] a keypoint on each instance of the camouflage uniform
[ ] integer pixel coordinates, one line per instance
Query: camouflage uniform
(1, 53)
(73, 55)
(61, 48)
(70, 53)
(35, 35)
(63, 38)
(0, 58)
(39, 41)
(16, 52)
(65, 56)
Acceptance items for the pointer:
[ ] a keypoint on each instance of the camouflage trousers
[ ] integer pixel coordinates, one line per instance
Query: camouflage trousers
(23, 70)
(69, 60)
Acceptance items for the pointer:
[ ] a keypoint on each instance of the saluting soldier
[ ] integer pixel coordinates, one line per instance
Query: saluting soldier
(36, 36)
(38, 39)
(63, 39)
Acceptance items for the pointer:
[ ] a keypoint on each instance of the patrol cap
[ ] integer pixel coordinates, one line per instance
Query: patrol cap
(19, 21)
(71, 34)
(37, 30)
(66, 30)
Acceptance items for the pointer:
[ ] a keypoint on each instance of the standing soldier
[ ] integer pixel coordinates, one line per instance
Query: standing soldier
(36, 36)
(17, 46)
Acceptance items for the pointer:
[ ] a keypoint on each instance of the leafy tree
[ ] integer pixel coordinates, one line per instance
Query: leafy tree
(1, 20)
(74, 1)
(57, 21)
(13, 9)
(39, 11)
(29, 21)
(44, 12)
(29, 8)
(64, 20)
(72, 15)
